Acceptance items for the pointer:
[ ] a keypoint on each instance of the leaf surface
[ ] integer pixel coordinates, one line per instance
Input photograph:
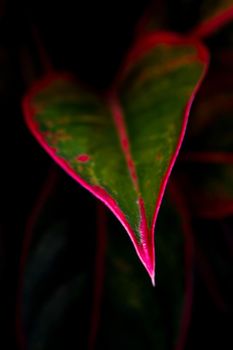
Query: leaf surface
(57, 279)
(144, 316)
(122, 145)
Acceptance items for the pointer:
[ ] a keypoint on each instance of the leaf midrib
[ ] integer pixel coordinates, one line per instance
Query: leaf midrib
(121, 128)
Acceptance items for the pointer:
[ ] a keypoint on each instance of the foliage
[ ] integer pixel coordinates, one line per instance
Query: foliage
(144, 123)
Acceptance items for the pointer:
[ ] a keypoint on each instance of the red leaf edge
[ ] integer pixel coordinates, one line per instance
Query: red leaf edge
(208, 27)
(140, 48)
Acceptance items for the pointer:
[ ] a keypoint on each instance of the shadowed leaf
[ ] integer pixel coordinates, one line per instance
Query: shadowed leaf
(55, 278)
(56, 285)
(209, 143)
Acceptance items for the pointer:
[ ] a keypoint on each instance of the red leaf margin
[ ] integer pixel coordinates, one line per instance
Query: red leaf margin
(211, 25)
(142, 46)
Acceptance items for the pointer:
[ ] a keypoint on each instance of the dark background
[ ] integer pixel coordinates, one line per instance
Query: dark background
(88, 38)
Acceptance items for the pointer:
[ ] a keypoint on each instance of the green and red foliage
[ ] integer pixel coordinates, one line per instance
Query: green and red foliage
(143, 134)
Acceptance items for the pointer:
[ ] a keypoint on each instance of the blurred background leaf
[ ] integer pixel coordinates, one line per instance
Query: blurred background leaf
(58, 277)
(69, 39)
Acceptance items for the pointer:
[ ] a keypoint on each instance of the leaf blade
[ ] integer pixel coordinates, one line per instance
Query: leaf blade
(77, 129)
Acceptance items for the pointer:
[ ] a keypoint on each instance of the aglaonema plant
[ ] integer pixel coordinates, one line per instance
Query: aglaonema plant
(121, 145)
(138, 127)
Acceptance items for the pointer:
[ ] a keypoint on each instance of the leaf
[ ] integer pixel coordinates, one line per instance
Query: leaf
(214, 15)
(211, 127)
(208, 188)
(142, 316)
(209, 145)
(215, 240)
(55, 277)
(199, 18)
(122, 146)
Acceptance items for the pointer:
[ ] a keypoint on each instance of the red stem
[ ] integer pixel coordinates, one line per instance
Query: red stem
(46, 190)
(209, 279)
(191, 247)
(99, 274)
(180, 204)
(208, 157)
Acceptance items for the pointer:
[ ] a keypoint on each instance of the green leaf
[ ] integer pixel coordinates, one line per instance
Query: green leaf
(57, 276)
(122, 145)
(135, 315)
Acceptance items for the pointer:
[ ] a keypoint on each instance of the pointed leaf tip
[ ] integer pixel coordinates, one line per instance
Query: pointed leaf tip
(127, 148)
(153, 281)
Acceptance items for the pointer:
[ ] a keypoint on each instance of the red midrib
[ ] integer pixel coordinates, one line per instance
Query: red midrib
(119, 120)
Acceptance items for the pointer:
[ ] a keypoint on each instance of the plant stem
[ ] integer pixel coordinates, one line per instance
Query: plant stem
(209, 279)
(99, 274)
(181, 206)
(45, 192)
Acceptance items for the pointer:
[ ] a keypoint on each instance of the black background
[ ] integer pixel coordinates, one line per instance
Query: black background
(88, 38)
